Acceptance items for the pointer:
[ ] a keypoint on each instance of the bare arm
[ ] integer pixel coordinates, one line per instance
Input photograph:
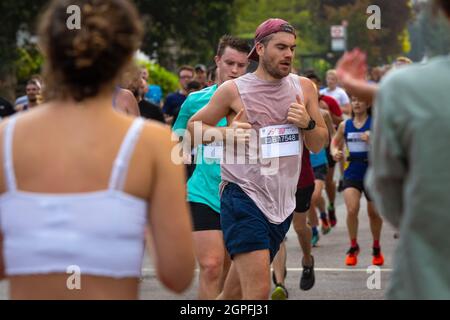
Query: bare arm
(2, 190)
(169, 220)
(336, 119)
(352, 71)
(127, 103)
(329, 122)
(337, 143)
(219, 106)
(2, 263)
(361, 89)
(317, 138)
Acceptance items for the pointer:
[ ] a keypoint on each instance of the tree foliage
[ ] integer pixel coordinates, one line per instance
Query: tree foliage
(381, 44)
(184, 31)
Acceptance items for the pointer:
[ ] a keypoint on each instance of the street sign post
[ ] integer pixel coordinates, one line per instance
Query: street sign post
(338, 38)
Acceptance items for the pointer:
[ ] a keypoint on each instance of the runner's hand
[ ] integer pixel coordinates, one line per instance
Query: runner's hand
(298, 115)
(242, 129)
(365, 136)
(338, 155)
(352, 66)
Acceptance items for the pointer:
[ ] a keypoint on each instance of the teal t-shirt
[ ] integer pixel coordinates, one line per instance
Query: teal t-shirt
(203, 186)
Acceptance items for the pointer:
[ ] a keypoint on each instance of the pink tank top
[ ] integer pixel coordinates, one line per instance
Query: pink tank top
(266, 104)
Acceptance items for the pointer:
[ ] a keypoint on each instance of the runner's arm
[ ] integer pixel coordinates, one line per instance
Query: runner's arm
(2, 263)
(218, 107)
(169, 221)
(329, 122)
(337, 143)
(317, 138)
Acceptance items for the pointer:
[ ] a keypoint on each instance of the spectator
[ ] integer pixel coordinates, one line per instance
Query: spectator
(33, 90)
(336, 92)
(176, 99)
(192, 86)
(153, 93)
(201, 75)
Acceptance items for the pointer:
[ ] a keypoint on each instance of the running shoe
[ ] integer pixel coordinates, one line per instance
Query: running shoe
(378, 258)
(308, 278)
(325, 228)
(352, 256)
(280, 293)
(315, 239)
(332, 216)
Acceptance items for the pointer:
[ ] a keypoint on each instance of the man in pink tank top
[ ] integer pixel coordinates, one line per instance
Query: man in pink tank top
(273, 112)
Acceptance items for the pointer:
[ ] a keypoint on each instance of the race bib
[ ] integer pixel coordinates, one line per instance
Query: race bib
(213, 150)
(279, 141)
(355, 144)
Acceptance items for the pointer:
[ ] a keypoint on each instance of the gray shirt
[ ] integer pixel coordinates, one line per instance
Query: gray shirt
(410, 175)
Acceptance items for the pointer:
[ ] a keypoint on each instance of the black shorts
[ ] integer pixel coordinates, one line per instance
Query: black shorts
(331, 162)
(320, 172)
(204, 218)
(303, 198)
(359, 185)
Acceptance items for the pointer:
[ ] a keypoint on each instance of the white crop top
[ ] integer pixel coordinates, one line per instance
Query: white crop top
(101, 232)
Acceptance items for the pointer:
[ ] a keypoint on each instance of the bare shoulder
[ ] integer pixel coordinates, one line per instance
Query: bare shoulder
(157, 136)
(125, 94)
(228, 90)
(306, 83)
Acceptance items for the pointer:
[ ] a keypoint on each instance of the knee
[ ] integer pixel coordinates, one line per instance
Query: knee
(316, 197)
(211, 267)
(373, 215)
(300, 227)
(352, 212)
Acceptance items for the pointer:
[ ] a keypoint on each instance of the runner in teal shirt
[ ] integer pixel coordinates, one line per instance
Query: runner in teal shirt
(203, 186)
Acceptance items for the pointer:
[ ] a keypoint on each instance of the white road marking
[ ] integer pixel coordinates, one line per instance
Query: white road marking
(152, 271)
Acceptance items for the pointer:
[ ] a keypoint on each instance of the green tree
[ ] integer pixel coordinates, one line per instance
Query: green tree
(16, 15)
(381, 45)
(179, 32)
(300, 13)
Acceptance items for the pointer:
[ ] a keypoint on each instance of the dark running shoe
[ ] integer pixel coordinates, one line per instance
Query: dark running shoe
(308, 278)
(332, 216)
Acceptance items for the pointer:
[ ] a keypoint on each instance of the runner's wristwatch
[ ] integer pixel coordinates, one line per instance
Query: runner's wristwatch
(311, 125)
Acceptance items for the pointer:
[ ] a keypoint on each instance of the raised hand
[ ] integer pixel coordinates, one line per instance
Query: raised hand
(352, 66)
(298, 115)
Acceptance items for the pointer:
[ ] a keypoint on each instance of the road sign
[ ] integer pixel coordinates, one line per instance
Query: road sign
(337, 32)
(338, 38)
